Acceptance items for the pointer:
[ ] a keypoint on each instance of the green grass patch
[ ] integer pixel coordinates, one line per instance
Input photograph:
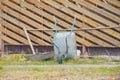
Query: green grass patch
(116, 61)
(93, 60)
(20, 59)
(1, 68)
(2, 71)
(113, 70)
(56, 73)
(60, 74)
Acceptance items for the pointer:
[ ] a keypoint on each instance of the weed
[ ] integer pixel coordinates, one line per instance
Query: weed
(60, 73)
(1, 68)
(115, 60)
(20, 59)
(93, 60)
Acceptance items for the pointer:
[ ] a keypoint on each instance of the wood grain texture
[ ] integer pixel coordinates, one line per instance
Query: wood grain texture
(32, 14)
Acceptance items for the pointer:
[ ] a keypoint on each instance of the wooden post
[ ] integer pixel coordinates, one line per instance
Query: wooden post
(28, 38)
(84, 48)
(1, 42)
(2, 47)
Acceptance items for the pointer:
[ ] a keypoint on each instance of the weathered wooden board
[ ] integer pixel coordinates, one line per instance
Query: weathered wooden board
(34, 14)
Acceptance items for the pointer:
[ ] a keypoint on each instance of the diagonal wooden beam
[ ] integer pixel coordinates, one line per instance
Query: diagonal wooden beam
(27, 20)
(114, 2)
(13, 35)
(45, 22)
(9, 40)
(50, 17)
(15, 29)
(98, 10)
(109, 7)
(65, 17)
(83, 18)
(88, 13)
(37, 40)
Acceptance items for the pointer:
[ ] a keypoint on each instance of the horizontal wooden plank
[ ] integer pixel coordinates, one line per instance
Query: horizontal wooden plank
(76, 29)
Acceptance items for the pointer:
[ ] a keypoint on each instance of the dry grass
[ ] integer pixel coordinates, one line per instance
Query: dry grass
(56, 74)
(20, 59)
(60, 74)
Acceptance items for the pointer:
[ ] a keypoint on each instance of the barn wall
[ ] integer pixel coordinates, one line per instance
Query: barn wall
(100, 19)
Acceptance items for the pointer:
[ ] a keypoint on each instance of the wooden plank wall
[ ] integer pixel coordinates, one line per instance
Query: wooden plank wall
(39, 14)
